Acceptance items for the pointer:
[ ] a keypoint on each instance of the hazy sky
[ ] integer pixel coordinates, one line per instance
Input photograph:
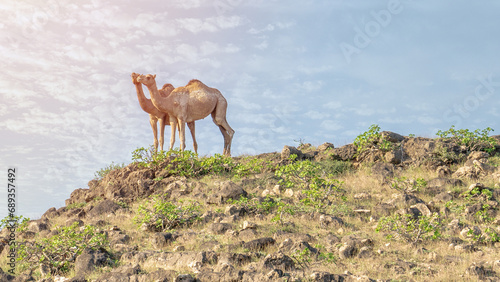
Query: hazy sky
(316, 71)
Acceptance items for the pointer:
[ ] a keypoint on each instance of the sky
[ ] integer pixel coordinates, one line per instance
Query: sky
(291, 71)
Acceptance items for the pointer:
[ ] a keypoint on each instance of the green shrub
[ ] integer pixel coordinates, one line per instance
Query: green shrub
(319, 187)
(472, 140)
(371, 139)
(255, 205)
(163, 215)
(406, 185)
(59, 252)
(217, 164)
(148, 157)
(405, 227)
(19, 222)
(98, 175)
(183, 163)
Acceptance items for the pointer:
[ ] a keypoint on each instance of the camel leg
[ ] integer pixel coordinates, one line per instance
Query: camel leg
(173, 125)
(182, 133)
(153, 121)
(192, 129)
(219, 118)
(162, 132)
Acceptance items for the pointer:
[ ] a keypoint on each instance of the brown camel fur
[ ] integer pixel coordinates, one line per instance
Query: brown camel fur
(189, 103)
(156, 115)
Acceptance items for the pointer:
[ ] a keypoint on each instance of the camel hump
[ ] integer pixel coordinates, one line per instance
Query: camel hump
(167, 86)
(194, 81)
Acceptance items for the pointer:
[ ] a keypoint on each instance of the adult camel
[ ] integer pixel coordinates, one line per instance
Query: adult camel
(156, 115)
(189, 103)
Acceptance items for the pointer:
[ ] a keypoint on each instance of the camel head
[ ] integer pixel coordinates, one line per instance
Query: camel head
(134, 78)
(148, 79)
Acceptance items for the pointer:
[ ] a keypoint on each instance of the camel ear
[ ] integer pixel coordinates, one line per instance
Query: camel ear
(154, 76)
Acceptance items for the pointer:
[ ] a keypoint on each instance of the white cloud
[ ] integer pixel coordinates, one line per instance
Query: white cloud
(316, 115)
(331, 125)
(333, 105)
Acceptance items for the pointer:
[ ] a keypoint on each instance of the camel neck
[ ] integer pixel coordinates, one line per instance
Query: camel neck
(155, 96)
(145, 103)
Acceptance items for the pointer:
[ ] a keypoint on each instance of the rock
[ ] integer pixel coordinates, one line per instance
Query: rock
(227, 190)
(423, 209)
(278, 261)
(327, 221)
(468, 232)
(362, 196)
(326, 277)
(86, 262)
(455, 225)
(365, 252)
(234, 259)
(383, 209)
(118, 237)
(406, 199)
(344, 153)
(72, 221)
(325, 146)
(37, 226)
(301, 246)
(161, 240)
(394, 156)
(80, 195)
(50, 213)
(392, 137)
(476, 185)
(443, 197)
(185, 278)
(383, 170)
(248, 234)
(478, 155)
(443, 171)
(290, 150)
(414, 213)
(218, 228)
(259, 244)
(248, 225)
(233, 210)
(104, 207)
(476, 270)
(346, 251)
(441, 182)
(288, 193)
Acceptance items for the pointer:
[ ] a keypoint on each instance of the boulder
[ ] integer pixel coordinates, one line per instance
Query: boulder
(344, 153)
(259, 244)
(87, 261)
(104, 207)
(392, 137)
(227, 190)
(278, 261)
(290, 150)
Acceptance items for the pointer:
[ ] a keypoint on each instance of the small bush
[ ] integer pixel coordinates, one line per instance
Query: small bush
(18, 222)
(98, 175)
(371, 139)
(319, 187)
(148, 157)
(472, 140)
(163, 215)
(255, 205)
(411, 230)
(60, 251)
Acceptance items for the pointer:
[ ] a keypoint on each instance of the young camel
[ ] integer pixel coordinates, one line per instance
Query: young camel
(156, 115)
(189, 103)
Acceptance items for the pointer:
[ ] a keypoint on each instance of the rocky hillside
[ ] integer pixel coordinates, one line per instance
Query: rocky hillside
(387, 207)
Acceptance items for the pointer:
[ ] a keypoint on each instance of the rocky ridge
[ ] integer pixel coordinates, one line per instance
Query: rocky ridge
(235, 241)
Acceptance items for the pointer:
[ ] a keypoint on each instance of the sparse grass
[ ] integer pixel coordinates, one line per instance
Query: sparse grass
(325, 188)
